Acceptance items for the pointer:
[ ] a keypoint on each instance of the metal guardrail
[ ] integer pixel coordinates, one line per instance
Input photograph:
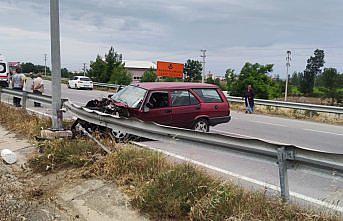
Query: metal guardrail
(25, 96)
(97, 84)
(287, 156)
(292, 105)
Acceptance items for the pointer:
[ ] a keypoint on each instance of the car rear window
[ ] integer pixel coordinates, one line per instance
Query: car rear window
(2, 67)
(85, 79)
(183, 98)
(208, 95)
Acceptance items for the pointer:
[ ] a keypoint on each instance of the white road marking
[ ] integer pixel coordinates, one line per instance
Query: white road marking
(248, 179)
(325, 132)
(273, 124)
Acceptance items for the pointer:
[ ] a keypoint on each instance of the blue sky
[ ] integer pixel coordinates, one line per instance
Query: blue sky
(232, 31)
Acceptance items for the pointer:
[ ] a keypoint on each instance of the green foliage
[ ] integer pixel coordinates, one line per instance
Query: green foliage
(172, 193)
(149, 76)
(97, 68)
(102, 71)
(30, 67)
(295, 79)
(231, 80)
(331, 81)
(193, 70)
(257, 76)
(120, 76)
(313, 68)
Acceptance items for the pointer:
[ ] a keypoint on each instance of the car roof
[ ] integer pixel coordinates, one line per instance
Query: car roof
(173, 85)
(81, 76)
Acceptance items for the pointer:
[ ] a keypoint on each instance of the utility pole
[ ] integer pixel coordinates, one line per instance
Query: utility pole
(203, 65)
(55, 65)
(45, 64)
(288, 64)
(84, 69)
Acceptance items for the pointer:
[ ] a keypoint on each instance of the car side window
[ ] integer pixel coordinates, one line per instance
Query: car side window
(208, 95)
(75, 78)
(158, 100)
(183, 98)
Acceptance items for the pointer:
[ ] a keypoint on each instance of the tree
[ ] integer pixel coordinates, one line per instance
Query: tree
(231, 79)
(295, 80)
(149, 76)
(113, 60)
(192, 70)
(313, 69)
(331, 81)
(65, 73)
(257, 76)
(97, 68)
(121, 76)
(27, 67)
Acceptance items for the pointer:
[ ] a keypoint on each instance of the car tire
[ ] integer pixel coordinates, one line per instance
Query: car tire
(201, 125)
(76, 86)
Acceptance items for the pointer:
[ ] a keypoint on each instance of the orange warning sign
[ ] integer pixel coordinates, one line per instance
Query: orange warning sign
(168, 69)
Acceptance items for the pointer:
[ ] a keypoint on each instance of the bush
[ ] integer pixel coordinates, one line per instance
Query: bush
(173, 193)
(58, 154)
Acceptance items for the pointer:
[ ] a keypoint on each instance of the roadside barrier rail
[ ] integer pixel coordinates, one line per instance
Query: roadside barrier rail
(286, 156)
(112, 86)
(25, 96)
(291, 105)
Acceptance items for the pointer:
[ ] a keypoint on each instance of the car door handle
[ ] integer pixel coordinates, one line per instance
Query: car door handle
(216, 107)
(167, 111)
(197, 107)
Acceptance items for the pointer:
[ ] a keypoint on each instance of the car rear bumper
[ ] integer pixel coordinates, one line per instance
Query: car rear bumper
(219, 120)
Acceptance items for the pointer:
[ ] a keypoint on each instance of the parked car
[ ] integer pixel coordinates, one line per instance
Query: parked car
(185, 105)
(79, 82)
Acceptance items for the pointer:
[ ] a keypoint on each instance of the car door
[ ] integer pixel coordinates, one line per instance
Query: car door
(159, 109)
(185, 108)
(213, 104)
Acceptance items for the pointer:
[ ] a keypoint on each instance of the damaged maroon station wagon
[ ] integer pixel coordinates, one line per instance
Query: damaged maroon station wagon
(185, 105)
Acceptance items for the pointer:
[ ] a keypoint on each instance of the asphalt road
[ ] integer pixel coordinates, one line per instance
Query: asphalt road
(306, 134)
(304, 185)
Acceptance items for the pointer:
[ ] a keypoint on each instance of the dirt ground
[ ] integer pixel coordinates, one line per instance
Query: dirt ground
(65, 195)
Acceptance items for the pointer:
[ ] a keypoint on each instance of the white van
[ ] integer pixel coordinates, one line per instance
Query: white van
(4, 72)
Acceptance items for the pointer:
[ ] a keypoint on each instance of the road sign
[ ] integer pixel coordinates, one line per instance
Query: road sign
(169, 69)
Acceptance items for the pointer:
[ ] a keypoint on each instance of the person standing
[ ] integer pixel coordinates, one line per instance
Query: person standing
(38, 88)
(17, 84)
(249, 99)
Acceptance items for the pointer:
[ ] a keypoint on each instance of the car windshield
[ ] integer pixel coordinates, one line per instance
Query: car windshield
(132, 96)
(85, 79)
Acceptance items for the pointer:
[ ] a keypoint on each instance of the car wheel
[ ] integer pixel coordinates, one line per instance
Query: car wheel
(76, 86)
(201, 125)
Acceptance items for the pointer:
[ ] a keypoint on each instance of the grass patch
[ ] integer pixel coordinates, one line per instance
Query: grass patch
(167, 191)
(20, 122)
(59, 154)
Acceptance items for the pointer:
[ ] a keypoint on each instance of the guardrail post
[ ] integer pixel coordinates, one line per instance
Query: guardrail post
(24, 100)
(0, 93)
(283, 155)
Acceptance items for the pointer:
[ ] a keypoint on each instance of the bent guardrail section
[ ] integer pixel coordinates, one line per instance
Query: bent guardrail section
(287, 156)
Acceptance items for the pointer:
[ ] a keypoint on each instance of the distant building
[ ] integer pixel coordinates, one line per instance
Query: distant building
(137, 69)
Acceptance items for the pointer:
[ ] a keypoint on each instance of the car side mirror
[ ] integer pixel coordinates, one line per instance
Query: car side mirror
(149, 105)
(146, 109)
